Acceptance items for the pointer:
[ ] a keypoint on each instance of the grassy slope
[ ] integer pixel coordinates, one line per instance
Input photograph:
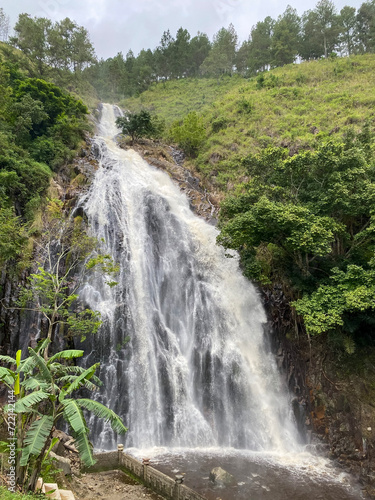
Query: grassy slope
(299, 105)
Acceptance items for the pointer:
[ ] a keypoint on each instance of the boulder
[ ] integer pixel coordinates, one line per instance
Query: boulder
(63, 438)
(222, 477)
(62, 463)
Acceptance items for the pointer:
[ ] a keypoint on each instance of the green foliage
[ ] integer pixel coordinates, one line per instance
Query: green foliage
(139, 125)
(351, 292)
(63, 45)
(36, 436)
(12, 235)
(245, 106)
(56, 103)
(53, 289)
(287, 110)
(40, 127)
(308, 221)
(5, 494)
(219, 123)
(46, 396)
(285, 38)
(49, 473)
(221, 58)
(189, 134)
(172, 100)
(320, 31)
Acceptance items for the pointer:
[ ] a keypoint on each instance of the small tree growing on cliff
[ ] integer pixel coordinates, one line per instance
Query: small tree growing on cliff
(53, 289)
(67, 254)
(189, 134)
(139, 125)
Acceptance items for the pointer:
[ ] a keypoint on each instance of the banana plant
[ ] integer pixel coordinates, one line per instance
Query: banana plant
(47, 397)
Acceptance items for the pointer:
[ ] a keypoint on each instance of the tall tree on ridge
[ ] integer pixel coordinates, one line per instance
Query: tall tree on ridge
(348, 25)
(366, 26)
(145, 70)
(260, 46)
(163, 55)
(4, 25)
(242, 57)
(60, 44)
(31, 36)
(83, 52)
(286, 38)
(328, 24)
(180, 52)
(320, 31)
(222, 57)
(200, 47)
(116, 67)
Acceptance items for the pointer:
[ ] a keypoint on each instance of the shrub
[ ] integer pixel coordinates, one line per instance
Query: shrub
(219, 124)
(190, 134)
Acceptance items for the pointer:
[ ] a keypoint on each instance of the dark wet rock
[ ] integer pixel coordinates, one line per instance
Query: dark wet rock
(95, 150)
(178, 156)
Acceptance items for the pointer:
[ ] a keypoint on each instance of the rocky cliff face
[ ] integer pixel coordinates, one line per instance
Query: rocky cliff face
(20, 329)
(334, 392)
(343, 410)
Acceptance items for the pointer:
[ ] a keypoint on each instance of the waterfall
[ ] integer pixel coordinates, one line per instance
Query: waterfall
(182, 349)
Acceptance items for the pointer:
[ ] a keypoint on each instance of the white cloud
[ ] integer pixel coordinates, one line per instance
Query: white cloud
(118, 25)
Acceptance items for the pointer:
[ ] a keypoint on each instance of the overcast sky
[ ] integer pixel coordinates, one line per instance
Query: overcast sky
(118, 25)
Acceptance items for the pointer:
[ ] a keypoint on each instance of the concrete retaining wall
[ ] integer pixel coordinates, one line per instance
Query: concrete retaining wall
(159, 482)
(150, 477)
(131, 464)
(105, 461)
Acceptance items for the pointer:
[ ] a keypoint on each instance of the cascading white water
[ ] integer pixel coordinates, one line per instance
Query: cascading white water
(196, 370)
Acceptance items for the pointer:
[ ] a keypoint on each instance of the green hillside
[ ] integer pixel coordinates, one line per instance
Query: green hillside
(292, 150)
(296, 107)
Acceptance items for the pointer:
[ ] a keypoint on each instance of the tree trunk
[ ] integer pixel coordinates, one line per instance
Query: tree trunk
(38, 466)
(49, 335)
(325, 47)
(20, 471)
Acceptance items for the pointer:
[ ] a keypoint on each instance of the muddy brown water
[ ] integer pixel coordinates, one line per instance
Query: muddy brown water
(257, 476)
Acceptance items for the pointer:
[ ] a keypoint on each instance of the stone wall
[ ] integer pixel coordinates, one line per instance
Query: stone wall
(150, 477)
(105, 461)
